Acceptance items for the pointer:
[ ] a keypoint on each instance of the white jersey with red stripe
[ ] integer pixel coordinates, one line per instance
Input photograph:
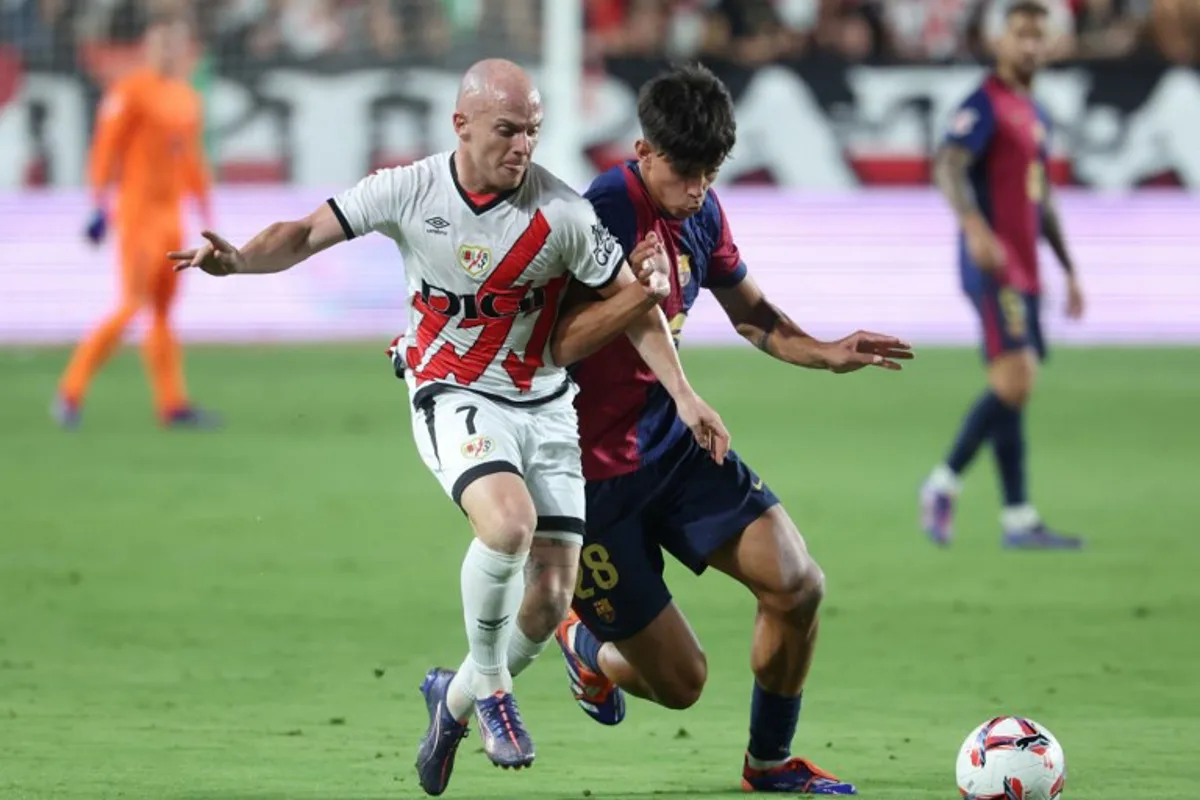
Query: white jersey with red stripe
(485, 281)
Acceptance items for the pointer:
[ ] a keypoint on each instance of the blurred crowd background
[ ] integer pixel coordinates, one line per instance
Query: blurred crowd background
(52, 34)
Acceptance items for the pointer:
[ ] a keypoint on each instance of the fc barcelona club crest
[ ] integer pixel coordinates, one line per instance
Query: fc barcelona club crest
(683, 269)
(604, 610)
(474, 260)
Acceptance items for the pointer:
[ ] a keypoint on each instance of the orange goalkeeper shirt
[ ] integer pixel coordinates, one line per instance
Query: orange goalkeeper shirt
(147, 141)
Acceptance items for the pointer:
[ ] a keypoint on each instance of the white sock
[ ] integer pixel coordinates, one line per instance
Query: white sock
(460, 698)
(758, 763)
(522, 651)
(1019, 518)
(944, 479)
(492, 585)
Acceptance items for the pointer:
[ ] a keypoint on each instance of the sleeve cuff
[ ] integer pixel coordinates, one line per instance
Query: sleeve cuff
(612, 276)
(729, 279)
(341, 218)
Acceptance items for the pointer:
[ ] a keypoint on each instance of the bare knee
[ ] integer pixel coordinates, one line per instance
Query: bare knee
(1011, 377)
(770, 559)
(509, 529)
(798, 594)
(683, 682)
(501, 511)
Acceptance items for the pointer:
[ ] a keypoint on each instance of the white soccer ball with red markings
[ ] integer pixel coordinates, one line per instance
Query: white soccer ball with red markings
(1011, 758)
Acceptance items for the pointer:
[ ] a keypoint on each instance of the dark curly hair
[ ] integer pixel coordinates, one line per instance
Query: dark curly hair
(686, 114)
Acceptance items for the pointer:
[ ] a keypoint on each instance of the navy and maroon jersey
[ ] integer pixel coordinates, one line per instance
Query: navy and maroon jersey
(1007, 132)
(626, 417)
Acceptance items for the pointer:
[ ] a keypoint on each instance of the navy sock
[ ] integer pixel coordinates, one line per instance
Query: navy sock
(1008, 443)
(587, 647)
(773, 721)
(975, 429)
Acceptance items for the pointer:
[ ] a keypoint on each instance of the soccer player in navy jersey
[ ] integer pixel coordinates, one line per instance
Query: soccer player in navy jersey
(992, 170)
(651, 487)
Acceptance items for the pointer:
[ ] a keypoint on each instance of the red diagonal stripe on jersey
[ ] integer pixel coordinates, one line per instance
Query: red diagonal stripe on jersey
(522, 370)
(503, 295)
(519, 257)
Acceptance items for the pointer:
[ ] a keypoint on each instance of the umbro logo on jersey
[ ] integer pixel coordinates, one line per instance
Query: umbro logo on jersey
(436, 225)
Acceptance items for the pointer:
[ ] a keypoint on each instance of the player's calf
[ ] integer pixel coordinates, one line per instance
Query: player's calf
(502, 514)
(663, 662)
(770, 559)
(679, 681)
(549, 586)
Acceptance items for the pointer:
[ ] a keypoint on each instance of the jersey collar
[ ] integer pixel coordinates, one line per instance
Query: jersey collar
(490, 204)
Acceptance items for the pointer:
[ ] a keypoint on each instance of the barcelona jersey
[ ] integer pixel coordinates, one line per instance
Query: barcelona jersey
(626, 417)
(1007, 133)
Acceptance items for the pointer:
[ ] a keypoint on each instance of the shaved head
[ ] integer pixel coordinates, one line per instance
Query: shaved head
(496, 81)
(497, 117)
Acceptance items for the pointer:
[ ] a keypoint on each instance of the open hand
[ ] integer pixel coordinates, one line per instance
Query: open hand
(866, 349)
(651, 266)
(706, 426)
(984, 248)
(216, 257)
(1075, 303)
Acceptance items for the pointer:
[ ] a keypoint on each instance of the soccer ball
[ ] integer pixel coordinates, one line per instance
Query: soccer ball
(1011, 758)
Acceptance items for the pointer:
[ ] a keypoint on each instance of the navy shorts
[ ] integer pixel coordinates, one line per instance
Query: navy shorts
(1011, 319)
(683, 503)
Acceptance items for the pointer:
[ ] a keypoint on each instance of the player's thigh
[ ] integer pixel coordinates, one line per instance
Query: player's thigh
(771, 558)
(1003, 317)
(667, 656)
(1037, 334)
(706, 505)
(619, 589)
(135, 266)
(554, 470)
(474, 449)
(162, 282)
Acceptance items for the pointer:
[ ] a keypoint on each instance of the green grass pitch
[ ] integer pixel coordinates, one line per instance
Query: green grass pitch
(245, 615)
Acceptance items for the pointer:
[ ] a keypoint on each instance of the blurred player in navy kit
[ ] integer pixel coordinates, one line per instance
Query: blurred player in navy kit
(992, 170)
(651, 487)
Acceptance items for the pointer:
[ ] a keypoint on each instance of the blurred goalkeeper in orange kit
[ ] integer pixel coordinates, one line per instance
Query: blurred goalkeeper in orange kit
(148, 142)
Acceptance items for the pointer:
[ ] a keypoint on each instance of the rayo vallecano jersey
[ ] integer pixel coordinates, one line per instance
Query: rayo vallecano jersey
(485, 281)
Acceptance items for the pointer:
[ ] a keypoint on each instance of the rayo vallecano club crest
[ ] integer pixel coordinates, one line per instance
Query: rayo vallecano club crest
(474, 260)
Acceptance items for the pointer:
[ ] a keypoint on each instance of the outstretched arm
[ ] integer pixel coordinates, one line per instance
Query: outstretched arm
(766, 327)
(279, 246)
(373, 204)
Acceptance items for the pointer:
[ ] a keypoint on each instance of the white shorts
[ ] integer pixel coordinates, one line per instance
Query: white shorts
(463, 436)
